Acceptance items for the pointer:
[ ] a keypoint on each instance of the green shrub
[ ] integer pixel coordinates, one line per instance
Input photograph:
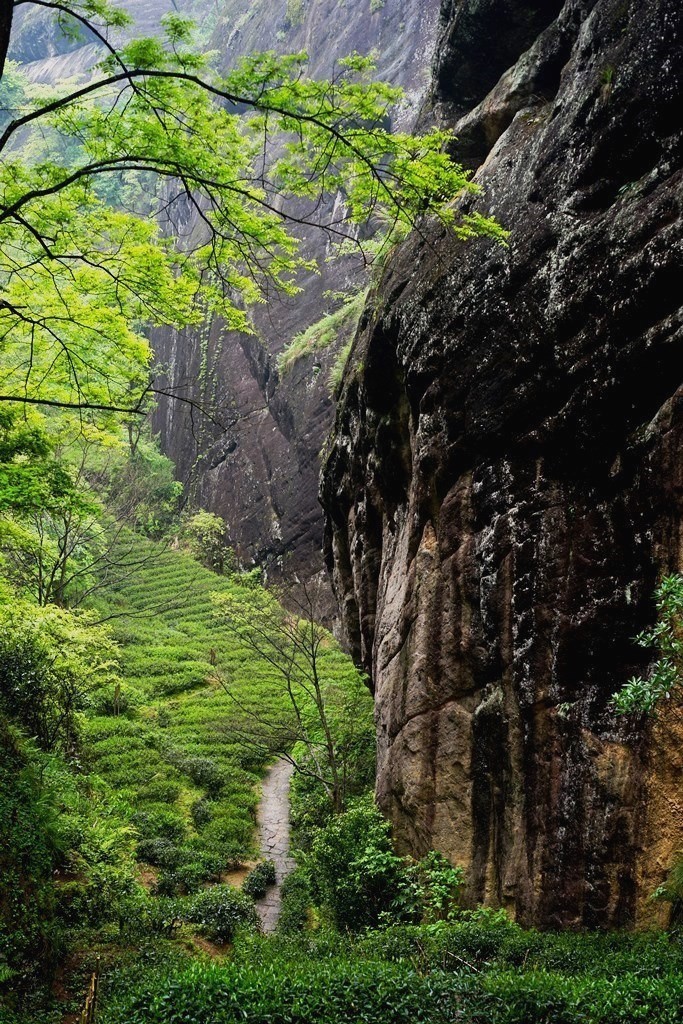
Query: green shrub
(296, 900)
(438, 886)
(201, 812)
(467, 971)
(100, 898)
(183, 869)
(30, 848)
(160, 823)
(187, 877)
(259, 879)
(116, 699)
(45, 656)
(160, 791)
(549, 998)
(205, 534)
(220, 911)
(428, 890)
(285, 992)
(203, 771)
(160, 852)
(355, 874)
(310, 810)
(294, 13)
(139, 486)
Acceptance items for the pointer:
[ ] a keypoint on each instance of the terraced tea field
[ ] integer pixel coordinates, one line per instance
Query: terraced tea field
(170, 740)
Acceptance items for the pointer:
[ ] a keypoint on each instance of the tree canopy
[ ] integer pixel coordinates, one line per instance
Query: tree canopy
(158, 190)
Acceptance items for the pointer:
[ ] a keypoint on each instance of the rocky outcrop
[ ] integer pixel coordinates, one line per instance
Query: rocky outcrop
(49, 55)
(505, 479)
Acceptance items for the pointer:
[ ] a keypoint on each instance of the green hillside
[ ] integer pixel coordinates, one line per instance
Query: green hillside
(171, 742)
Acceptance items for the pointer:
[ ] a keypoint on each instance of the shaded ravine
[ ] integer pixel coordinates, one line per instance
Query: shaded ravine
(273, 832)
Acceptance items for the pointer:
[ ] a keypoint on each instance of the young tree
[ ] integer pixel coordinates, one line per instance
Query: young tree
(205, 532)
(59, 544)
(99, 183)
(318, 724)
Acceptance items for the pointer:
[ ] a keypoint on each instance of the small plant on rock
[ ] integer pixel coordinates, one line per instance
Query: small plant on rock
(645, 693)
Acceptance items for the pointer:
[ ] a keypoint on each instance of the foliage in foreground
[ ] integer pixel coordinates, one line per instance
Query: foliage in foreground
(83, 275)
(665, 639)
(139, 756)
(66, 859)
(358, 881)
(482, 970)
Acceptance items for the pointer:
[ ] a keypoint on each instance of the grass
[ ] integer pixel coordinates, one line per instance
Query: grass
(336, 374)
(324, 332)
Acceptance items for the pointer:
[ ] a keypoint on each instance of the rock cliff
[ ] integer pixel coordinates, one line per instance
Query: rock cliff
(259, 467)
(505, 479)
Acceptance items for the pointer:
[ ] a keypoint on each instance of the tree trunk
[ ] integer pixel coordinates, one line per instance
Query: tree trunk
(6, 13)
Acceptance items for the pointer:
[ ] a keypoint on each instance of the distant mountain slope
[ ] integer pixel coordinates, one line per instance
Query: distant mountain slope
(261, 473)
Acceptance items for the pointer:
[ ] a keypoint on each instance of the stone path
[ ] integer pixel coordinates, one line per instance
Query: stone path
(273, 829)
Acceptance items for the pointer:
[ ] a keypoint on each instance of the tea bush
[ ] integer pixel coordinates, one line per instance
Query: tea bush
(328, 978)
(259, 879)
(296, 900)
(320, 993)
(220, 911)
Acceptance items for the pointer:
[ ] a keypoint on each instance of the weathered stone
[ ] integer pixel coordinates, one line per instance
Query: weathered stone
(504, 483)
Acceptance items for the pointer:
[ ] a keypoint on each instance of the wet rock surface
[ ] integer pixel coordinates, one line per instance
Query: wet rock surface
(504, 485)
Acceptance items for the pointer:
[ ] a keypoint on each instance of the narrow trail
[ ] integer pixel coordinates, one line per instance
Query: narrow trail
(273, 829)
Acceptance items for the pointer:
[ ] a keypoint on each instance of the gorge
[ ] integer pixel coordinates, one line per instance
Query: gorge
(501, 490)
(340, 499)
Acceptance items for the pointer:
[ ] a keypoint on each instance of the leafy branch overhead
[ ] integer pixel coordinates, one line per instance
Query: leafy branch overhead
(159, 190)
